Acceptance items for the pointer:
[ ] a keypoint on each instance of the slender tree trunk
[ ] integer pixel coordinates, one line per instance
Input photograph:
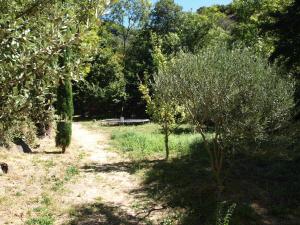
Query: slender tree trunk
(218, 165)
(166, 129)
(216, 161)
(167, 146)
(63, 149)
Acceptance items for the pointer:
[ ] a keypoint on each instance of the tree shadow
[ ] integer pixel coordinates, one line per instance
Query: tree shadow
(265, 188)
(23, 145)
(47, 153)
(272, 182)
(185, 183)
(176, 183)
(256, 182)
(101, 214)
(129, 167)
(53, 153)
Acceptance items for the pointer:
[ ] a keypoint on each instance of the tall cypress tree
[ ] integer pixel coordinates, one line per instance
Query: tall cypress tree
(64, 107)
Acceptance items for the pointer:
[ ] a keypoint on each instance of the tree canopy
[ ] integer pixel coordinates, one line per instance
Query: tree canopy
(32, 36)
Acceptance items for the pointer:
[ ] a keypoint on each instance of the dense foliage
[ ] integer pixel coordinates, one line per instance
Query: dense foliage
(234, 91)
(231, 73)
(286, 29)
(32, 36)
(102, 92)
(129, 31)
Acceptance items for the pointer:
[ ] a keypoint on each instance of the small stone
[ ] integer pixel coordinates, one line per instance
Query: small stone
(4, 167)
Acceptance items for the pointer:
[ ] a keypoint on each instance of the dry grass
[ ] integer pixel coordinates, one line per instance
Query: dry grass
(35, 182)
(91, 185)
(86, 185)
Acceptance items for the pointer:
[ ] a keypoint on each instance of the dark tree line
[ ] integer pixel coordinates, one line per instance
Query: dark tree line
(129, 35)
(286, 28)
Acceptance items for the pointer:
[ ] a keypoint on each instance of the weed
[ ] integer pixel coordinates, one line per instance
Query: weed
(73, 212)
(18, 194)
(49, 164)
(225, 213)
(71, 171)
(137, 205)
(167, 221)
(46, 200)
(58, 183)
(41, 220)
(44, 217)
(40, 209)
(2, 199)
(172, 219)
(81, 155)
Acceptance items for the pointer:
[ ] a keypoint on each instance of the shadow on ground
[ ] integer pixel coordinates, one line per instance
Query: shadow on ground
(47, 153)
(101, 214)
(129, 167)
(265, 188)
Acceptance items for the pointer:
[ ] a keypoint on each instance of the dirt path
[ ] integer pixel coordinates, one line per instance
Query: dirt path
(105, 184)
(88, 185)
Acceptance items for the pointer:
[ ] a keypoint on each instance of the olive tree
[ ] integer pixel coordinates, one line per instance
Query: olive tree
(33, 34)
(237, 92)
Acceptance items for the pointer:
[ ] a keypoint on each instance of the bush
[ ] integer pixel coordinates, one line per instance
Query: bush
(238, 93)
(63, 134)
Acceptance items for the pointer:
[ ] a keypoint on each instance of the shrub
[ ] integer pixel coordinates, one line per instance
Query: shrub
(63, 134)
(238, 93)
(225, 213)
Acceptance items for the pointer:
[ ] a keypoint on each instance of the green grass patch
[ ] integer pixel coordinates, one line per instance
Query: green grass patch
(57, 184)
(147, 141)
(44, 216)
(71, 171)
(41, 220)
